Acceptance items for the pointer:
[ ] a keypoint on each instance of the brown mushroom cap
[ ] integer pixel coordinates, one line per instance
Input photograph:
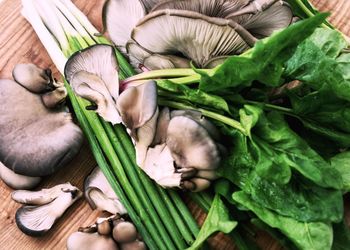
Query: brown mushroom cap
(34, 141)
(194, 35)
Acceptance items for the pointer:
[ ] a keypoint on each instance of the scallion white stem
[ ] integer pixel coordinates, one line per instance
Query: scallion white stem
(73, 20)
(51, 21)
(80, 17)
(50, 44)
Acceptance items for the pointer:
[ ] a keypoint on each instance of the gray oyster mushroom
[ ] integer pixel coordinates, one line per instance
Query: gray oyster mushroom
(36, 220)
(185, 152)
(170, 34)
(136, 245)
(124, 232)
(34, 140)
(93, 75)
(100, 194)
(138, 109)
(191, 34)
(41, 197)
(90, 241)
(17, 181)
(34, 79)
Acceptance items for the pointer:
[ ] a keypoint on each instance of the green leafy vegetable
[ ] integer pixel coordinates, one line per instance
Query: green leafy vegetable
(264, 62)
(341, 239)
(218, 220)
(341, 162)
(308, 236)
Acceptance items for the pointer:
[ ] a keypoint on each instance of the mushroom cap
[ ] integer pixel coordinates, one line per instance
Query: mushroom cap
(194, 35)
(98, 60)
(41, 197)
(90, 241)
(34, 141)
(155, 61)
(100, 194)
(33, 78)
(124, 232)
(120, 17)
(191, 145)
(264, 23)
(17, 181)
(136, 245)
(37, 220)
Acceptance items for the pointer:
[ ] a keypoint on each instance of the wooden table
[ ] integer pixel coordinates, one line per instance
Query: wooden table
(19, 44)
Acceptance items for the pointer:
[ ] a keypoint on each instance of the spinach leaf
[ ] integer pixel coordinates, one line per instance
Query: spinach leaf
(341, 162)
(317, 67)
(218, 220)
(275, 134)
(308, 236)
(341, 239)
(264, 62)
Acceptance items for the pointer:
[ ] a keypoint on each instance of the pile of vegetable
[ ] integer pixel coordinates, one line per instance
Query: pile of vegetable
(282, 107)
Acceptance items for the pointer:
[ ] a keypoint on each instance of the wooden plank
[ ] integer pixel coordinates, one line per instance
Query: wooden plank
(19, 44)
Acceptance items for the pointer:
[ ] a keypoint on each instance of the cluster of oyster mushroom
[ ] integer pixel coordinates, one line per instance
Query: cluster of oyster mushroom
(43, 208)
(112, 232)
(172, 34)
(176, 149)
(37, 134)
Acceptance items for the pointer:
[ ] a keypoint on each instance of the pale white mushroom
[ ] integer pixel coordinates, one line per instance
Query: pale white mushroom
(93, 74)
(42, 196)
(100, 194)
(194, 35)
(17, 181)
(138, 109)
(33, 78)
(90, 241)
(37, 220)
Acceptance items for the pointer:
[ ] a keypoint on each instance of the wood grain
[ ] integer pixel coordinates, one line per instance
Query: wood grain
(19, 44)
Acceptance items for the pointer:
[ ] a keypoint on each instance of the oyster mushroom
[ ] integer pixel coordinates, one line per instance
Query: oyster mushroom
(124, 232)
(263, 21)
(90, 241)
(139, 111)
(17, 181)
(34, 79)
(196, 36)
(155, 61)
(190, 154)
(191, 145)
(54, 98)
(34, 141)
(37, 220)
(120, 17)
(42, 196)
(100, 195)
(136, 245)
(93, 74)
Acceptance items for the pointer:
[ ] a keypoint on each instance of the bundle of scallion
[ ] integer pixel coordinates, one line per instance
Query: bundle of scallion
(161, 216)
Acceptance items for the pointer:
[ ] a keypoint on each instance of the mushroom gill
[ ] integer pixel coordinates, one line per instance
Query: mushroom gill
(195, 36)
(93, 74)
